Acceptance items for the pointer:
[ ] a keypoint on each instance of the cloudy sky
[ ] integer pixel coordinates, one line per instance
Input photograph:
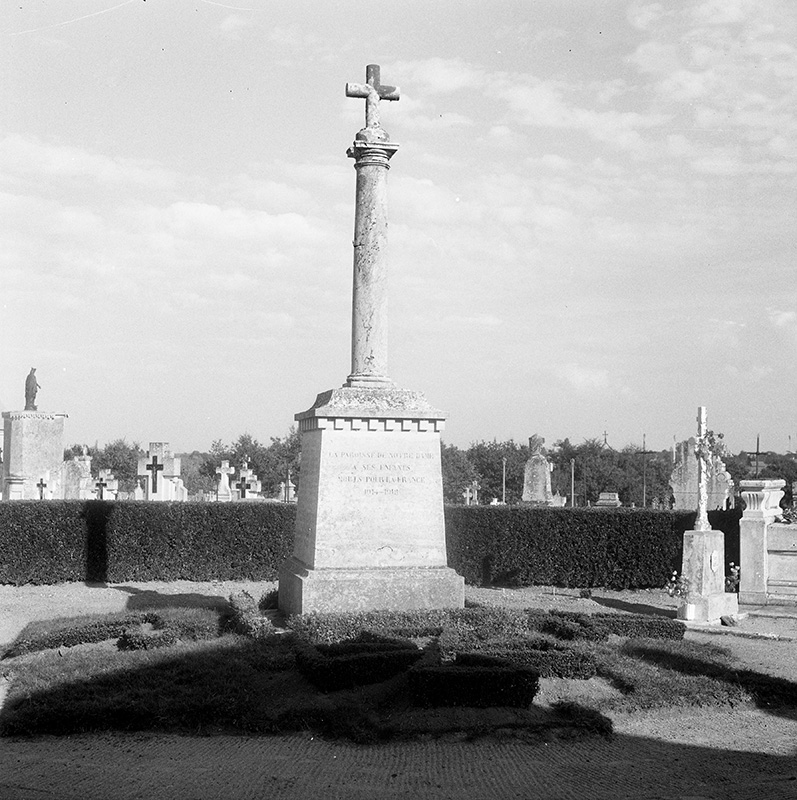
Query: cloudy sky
(592, 214)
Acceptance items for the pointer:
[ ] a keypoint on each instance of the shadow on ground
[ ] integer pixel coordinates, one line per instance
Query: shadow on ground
(634, 608)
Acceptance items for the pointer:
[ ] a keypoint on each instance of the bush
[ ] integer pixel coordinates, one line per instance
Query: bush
(473, 681)
(246, 618)
(146, 640)
(641, 626)
(345, 665)
(542, 655)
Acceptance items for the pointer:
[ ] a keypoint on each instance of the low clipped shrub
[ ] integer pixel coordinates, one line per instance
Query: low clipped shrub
(641, 626)
(52, 634)
(344, 665)
(549, 659)
(246, 618)
(473, 680)
(146, 640)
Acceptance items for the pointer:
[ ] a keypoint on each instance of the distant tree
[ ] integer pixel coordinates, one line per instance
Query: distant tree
(191, 471)
(487, 459)
(458, 472)
(122, 459)
(77, 450)
(270, 463)
(781, 467)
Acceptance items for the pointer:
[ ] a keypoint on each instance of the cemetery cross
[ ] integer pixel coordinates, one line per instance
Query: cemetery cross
(155, 468)
(100, 484)
(372, 150)
(41, 486)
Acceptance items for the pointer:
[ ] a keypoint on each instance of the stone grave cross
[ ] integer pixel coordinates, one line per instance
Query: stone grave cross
(468, 495)
(100, 484)
(223, 493)
(245, 481)
(373, 91)
(41, 486)
(155, 468)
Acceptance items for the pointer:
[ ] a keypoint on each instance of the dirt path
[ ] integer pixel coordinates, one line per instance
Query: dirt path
(684, 754)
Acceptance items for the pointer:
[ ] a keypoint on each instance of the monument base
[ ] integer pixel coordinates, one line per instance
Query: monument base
(710, 608)
(370, 527)
(33, 455)
(704, 569)
(302, 590)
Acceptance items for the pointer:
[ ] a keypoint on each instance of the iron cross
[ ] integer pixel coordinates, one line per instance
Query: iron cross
(373, 91)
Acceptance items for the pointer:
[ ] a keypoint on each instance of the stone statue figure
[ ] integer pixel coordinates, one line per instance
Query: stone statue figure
(31, 387)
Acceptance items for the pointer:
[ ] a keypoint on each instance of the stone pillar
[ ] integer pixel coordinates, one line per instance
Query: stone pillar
(762, 503)
(34, 451)
(369, 292)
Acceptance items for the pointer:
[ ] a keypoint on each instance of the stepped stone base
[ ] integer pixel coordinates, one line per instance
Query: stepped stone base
(379, 588)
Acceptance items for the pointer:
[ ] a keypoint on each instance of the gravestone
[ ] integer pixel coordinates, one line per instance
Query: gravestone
(537, 475)
(33, 450)
(248, 486)
(683, 481)
(369, 530)
(703, 564)
(77, 481)
(159, 470)
(608, 500)
(106, 485)
(223, 491)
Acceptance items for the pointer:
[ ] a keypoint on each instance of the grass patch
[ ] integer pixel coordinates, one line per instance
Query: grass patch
(202, 671)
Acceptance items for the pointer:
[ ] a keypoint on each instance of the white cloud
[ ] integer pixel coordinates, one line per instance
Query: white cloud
(583, 379)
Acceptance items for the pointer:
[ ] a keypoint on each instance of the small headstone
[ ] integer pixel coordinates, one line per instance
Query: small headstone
(223, 492)
(537, 475)
(138, 492)
(248, 486)
(158, 468)
(558, 501)
(106, 485)
(608, 500)
(77, 481)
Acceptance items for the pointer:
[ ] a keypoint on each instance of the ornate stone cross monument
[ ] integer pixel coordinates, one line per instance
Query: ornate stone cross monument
(703, 565)
(369, 524)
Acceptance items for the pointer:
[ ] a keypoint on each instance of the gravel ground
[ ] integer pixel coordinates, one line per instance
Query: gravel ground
(684, 754)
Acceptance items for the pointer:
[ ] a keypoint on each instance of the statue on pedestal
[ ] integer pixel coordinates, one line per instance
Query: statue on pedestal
(31, 387)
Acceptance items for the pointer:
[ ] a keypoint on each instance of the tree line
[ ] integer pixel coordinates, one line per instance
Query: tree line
(587, 469)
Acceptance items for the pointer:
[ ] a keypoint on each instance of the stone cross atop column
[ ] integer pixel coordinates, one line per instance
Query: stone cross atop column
(701, 522)
(373, 91)
(371, 151)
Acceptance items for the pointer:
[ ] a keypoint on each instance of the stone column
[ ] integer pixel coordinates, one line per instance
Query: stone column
(762, 503)
(369, 292)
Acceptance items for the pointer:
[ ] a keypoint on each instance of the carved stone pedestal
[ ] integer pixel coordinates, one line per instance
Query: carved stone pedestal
(370, 532)
(33, 455)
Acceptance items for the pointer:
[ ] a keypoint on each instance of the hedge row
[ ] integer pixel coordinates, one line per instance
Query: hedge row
(73, 540)
(575, 547)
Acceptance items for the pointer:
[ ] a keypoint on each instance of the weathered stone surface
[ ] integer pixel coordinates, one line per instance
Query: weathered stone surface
(537, 475)
(684, 480)
(33, 453)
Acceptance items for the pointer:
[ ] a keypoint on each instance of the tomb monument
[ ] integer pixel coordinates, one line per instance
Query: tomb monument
(369, 531)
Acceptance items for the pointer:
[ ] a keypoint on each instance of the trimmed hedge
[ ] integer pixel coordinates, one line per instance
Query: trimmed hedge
(574, 547)
(545, 657)
(475, 681)
(344, 665)
(57, 541)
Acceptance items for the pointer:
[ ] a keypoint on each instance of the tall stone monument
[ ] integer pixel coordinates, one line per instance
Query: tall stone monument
(703, 564)
(537, 475)
(369, 525)
(33, 450)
